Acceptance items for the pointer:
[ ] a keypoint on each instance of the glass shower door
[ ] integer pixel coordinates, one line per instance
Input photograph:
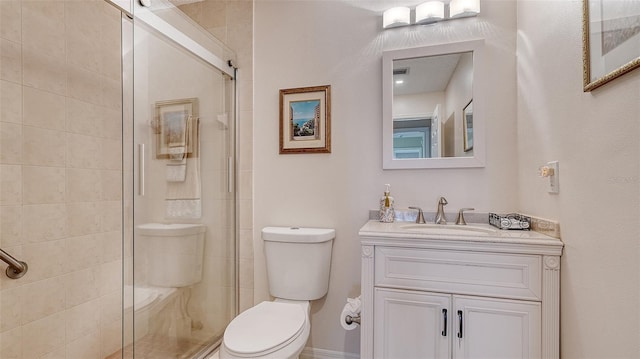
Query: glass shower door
(180, 285)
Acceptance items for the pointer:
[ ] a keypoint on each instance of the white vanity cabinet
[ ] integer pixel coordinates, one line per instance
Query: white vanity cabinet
(411, 324)
(492, 328)
(492, 294)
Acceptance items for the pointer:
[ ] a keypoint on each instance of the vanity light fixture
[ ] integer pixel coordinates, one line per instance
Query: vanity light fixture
(430, 12)
(396, 16)
(464, 8)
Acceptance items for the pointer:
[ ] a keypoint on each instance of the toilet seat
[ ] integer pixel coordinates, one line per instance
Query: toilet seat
(263, 329)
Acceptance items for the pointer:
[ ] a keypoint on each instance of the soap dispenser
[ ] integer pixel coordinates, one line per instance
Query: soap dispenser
(387, 212)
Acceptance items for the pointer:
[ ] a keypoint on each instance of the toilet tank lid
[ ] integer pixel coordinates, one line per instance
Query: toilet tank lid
(170, 229)
(298, 234)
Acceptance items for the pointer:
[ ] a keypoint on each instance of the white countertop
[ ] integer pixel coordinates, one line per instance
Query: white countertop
(474, 236)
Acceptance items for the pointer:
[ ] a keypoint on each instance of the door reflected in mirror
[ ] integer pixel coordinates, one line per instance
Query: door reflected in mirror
(428, 115)
(412, 138)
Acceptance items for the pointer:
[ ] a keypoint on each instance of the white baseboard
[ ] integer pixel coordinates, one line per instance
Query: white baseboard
(315, 353)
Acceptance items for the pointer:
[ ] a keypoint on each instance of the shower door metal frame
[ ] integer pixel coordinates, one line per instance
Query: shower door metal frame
(146, 15)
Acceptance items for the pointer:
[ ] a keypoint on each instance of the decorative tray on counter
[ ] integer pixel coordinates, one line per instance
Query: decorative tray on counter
(510, 221)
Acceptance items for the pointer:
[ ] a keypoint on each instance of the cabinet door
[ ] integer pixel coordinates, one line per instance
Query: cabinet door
(411, 325)
(495, 328)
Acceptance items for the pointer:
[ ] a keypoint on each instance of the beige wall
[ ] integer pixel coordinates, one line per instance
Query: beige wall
(594, 135)
(61, 177)
(422, 104)
(340, 43)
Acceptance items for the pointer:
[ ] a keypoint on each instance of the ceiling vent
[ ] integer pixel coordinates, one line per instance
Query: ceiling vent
(401, 71)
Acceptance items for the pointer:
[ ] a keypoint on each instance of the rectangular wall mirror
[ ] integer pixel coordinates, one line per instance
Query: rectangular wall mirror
(429, 120)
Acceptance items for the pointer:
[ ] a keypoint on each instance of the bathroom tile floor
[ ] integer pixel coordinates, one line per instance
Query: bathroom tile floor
(159, 347)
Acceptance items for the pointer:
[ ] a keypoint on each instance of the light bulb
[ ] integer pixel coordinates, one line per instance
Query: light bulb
(463, 8)
(429, 12)
(396, 16)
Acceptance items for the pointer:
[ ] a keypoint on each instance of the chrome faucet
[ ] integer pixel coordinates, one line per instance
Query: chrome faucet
(420, 216)
(460, 220)
(440, 217)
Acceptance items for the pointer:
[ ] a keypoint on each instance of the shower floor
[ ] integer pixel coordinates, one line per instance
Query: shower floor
(160, 347)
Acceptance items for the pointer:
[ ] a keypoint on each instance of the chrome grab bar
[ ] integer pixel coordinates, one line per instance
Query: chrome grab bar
(16, 268)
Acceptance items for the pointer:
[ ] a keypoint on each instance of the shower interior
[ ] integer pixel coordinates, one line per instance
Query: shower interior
(191, 316)
(85, 163)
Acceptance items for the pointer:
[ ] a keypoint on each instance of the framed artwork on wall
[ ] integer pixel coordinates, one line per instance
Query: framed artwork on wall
(305, 120)
(176, 128)
(610, 40)
(467, 126)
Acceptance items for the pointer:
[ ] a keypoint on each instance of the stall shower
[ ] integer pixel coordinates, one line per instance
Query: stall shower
(117, 181)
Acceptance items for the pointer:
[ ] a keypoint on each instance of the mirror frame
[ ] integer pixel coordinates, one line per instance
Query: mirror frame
(478, 159)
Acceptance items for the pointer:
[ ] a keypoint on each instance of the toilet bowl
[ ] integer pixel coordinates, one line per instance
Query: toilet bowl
(298, 262)
(277, 330)
(145, 297)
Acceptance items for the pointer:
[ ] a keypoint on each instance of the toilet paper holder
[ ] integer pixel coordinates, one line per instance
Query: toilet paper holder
(352, 319)
(350, 316)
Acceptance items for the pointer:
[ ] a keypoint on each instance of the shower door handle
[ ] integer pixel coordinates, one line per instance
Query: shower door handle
(141, 169)
(230, 174)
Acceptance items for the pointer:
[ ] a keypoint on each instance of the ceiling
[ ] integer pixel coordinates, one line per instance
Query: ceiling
(425, 74)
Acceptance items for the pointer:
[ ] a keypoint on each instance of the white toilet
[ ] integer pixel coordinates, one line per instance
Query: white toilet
(298, 264)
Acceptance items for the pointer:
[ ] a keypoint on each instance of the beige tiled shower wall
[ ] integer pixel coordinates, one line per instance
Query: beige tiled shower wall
(61, 178)
(231, 22)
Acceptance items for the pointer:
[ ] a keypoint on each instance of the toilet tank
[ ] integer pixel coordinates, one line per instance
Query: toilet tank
(174, 251)
(298, 261)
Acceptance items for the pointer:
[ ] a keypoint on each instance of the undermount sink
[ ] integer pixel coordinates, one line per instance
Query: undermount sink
(444, 229)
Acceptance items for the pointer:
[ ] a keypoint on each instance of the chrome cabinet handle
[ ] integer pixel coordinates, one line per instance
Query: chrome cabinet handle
(444, 315)
(460, 324)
